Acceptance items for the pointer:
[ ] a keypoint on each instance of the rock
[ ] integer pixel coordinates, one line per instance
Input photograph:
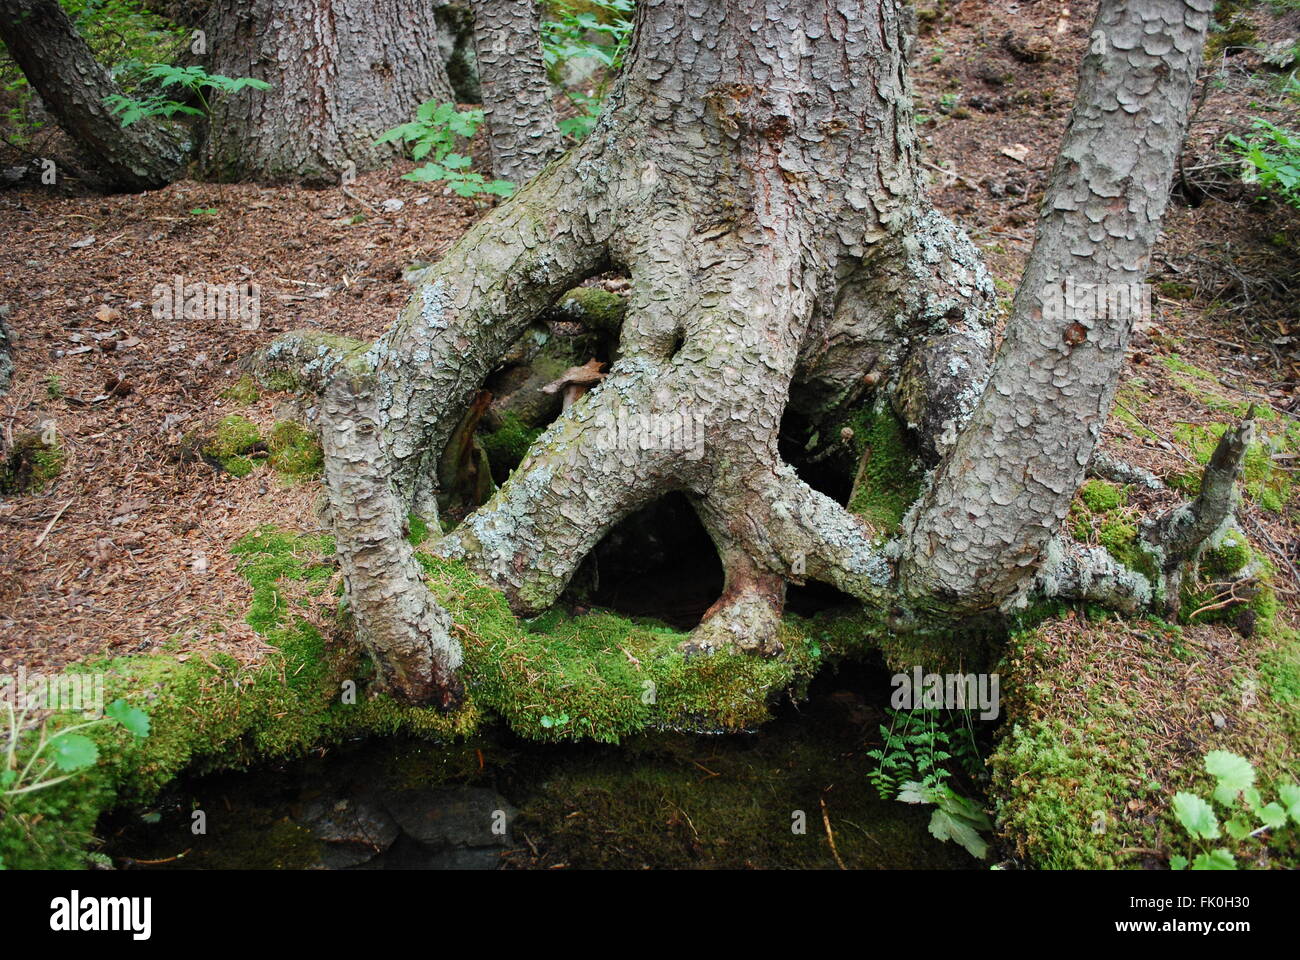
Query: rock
(352, 830)
(460, 858)
(453, 816)
(392, 205)
(1028, 49)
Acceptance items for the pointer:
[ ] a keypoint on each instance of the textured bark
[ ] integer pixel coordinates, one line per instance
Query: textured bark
(516, 93)
(1000, 496)
(342, 72)
(6, 357)
(755, 175)
(1179, 536)
(405, 631)
(56, 61)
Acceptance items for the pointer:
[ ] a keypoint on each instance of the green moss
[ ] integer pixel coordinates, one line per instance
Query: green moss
(1279, 668)
(889, 475)
(282, 381)
(243, 392)
(234, 437)
(1130, 400)
(294, 450)
(1105, 721)
(1101, 513)
(1101, 496)
(1231, 28)
(417, 530)
(594, 307)
(596, 676)
(31, 465)
(1226, 561)
(1176, 291)
(508, 444)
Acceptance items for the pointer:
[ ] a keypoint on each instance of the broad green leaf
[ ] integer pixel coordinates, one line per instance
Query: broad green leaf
(1219, 859)
(1239, 828)
(1272, 815)
(1290, 794)
(1196, 816)
(944, 826)
(72, 751)
(913, 792)
(133, 718)
(1229, 769)
(1178, 862)
(967, 809)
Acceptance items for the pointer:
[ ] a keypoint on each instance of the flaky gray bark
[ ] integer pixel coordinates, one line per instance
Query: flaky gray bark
(755, 174)
(405, 632)
(56, 61)
(342, 72)
(516, 93)
(1002, 493)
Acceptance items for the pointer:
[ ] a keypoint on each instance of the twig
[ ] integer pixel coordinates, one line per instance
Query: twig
(50, 526)
(147, 863)
(1172, 446)
(352, 196)
(951, 173)
(830, 837)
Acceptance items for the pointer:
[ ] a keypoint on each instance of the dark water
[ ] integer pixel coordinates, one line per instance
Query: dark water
(775, 798)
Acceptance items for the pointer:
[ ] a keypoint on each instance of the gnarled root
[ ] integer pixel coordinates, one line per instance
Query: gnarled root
(1180, 536)
(401, 626)
(1175, 539)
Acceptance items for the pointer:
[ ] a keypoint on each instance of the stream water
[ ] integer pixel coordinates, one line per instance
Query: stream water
(792, 794)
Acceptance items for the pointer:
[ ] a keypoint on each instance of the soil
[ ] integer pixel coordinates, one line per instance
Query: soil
(129, 547)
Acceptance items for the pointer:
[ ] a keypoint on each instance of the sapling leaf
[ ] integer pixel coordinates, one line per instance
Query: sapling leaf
(133, 718)
(1196, 816)
(1219, 859)
(72, 751)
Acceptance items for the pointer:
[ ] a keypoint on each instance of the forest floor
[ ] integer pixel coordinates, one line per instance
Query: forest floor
(129, 548)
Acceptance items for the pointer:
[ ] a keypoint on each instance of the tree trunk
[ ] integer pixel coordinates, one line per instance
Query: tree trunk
(1001, 496)
(342, 72)
(516, 92)
(755, 173)
(59, 65)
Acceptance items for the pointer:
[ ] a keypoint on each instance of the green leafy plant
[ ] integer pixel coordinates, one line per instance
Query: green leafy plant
(580, 124)
(915, 764)
(433, 136)
(573, 34)
(60, 755)
(601, 34)
(203, 86)
(956, 818)
(1250, 819)
(1271, 158)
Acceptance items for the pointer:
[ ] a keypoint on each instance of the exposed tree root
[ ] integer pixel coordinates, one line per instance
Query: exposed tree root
(772, 257)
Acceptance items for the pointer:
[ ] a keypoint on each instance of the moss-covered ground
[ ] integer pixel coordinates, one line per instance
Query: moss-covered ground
(1107, 718)
(596, 677)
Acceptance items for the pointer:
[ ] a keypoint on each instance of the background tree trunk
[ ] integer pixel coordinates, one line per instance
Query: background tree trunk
(73, 86)
(341, 72)
(516, 92)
